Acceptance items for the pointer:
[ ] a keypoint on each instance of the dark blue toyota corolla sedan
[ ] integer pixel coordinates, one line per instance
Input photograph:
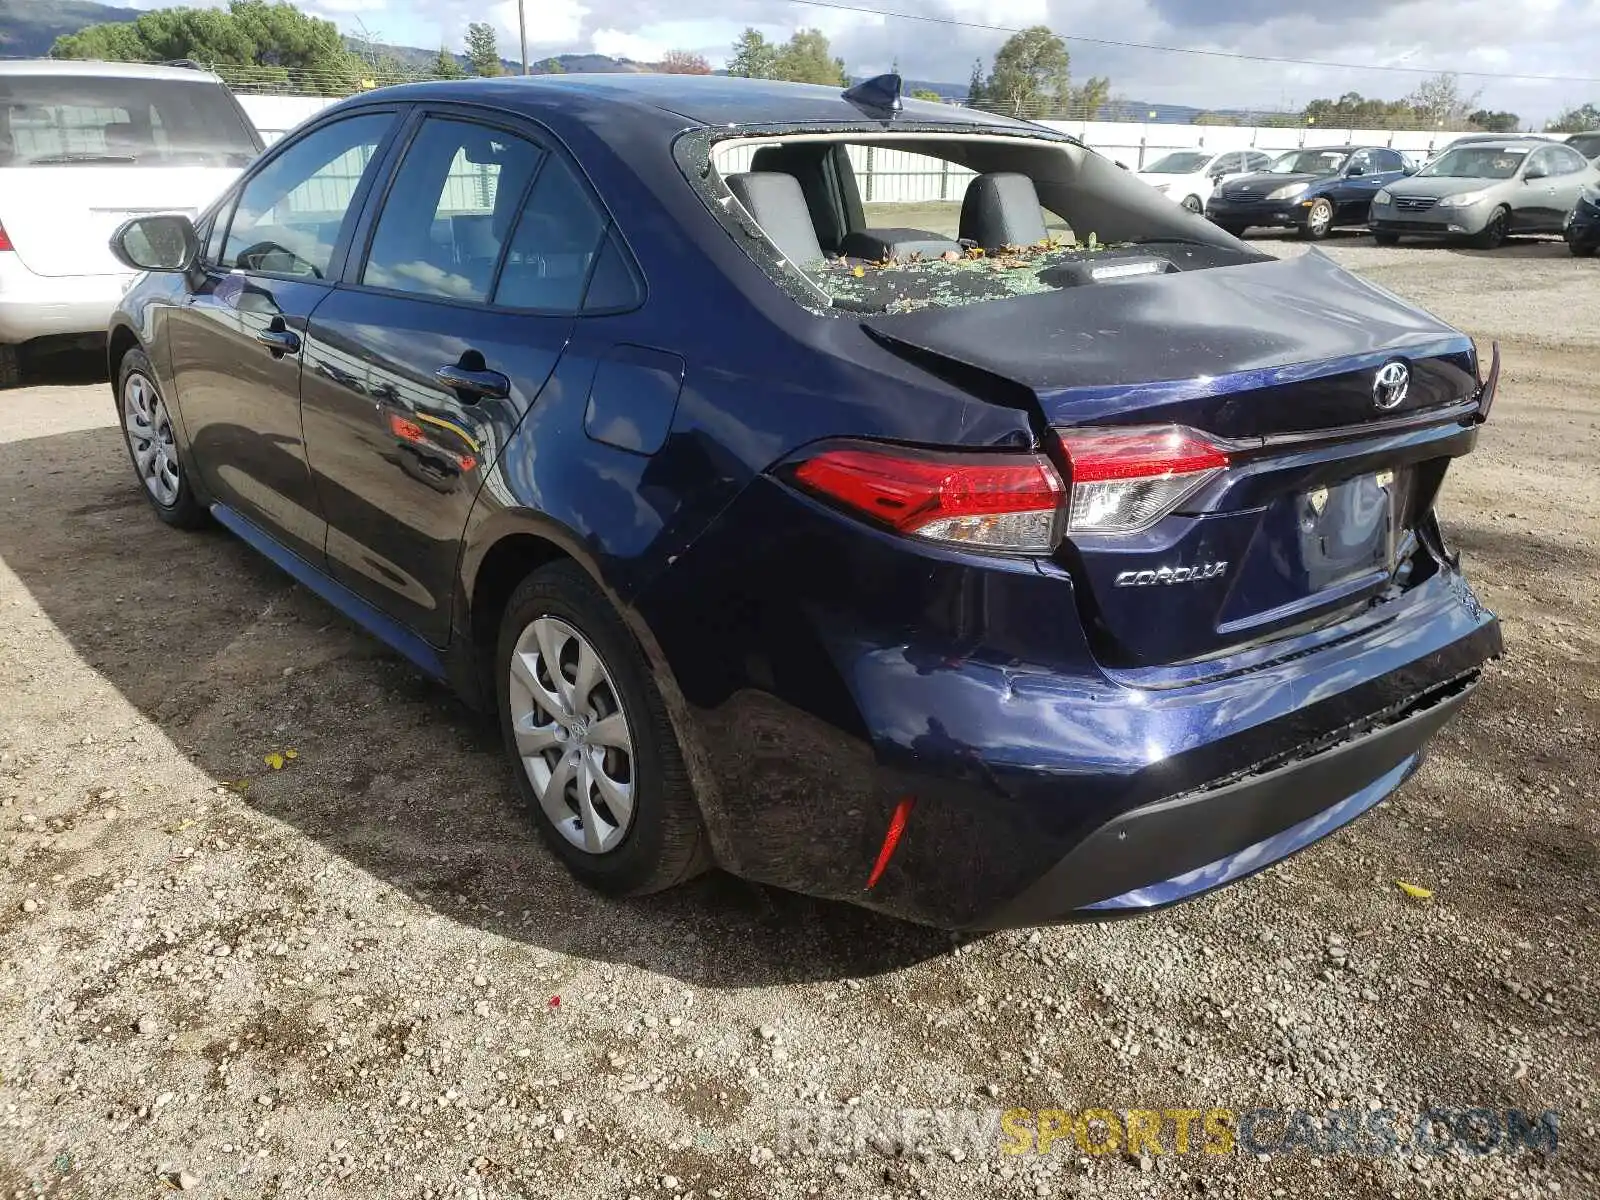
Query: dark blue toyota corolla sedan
(890, 502)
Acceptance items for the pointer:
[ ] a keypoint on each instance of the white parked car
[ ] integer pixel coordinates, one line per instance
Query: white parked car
(84, 147)
(1188, 176)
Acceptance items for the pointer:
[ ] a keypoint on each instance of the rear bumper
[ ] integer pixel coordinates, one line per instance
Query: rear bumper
(1279, 213)
(1195, 843)
(816, 692)
(35, 306)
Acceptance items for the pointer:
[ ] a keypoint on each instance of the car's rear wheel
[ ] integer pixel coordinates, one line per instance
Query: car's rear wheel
(596, 759)
(153, 445)
(1581, 249)
(1230, 227)
(1192, 203)
(10, 367)
(1319, 219)
(1386, 239)
(1493, 235)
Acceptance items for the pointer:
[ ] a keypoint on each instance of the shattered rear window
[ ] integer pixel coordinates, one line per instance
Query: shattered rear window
(969, 276)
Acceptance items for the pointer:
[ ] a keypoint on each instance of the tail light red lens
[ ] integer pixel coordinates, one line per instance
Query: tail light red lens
(1009, 502)
(5, 240)
(1125, 480)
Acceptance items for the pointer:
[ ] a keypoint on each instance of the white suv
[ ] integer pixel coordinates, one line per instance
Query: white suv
(1188, 176)
(83, 147)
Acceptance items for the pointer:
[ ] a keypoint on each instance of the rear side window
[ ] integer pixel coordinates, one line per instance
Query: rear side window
(290, 214)
(554, 244)
(59, 120)
(449, 210)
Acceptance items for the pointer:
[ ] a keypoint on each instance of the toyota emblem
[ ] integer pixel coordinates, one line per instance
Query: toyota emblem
(1390, 385)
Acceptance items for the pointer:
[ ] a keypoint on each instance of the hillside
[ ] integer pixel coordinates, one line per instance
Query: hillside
(28, 28)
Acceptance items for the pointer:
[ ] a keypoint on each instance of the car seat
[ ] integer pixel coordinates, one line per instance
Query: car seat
(775, 200)
(1002, 209)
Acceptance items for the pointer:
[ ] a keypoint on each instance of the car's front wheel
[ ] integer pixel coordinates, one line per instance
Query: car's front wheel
(1319, 219)
(153, 445)
(1581, 249)
(1193, 204)
(1386, 239)
(596, 759)
(1493, 235)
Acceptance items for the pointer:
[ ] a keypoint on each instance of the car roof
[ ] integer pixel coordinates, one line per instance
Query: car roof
(707, 100)
(1514, 143)
(106, 70)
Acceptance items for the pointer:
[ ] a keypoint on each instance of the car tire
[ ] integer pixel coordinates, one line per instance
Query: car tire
(572, 781)
(1493, 234)
(10, 367)
(1386, 239)
(1319, 219)
(1230, 228)
(151, 439)
(1194, 205)
(1581, 249)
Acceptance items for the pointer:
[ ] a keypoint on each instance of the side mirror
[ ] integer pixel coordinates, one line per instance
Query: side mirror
(1533, 173)
(163, 242)
(1410, 169)
(1355, 170)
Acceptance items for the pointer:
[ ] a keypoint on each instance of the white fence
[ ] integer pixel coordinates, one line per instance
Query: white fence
(891, 176)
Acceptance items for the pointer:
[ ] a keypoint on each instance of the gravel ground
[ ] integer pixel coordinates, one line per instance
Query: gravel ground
(359, 975)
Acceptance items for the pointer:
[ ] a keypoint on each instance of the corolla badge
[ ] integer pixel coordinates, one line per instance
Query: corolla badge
(1390, 385)
(1169, 575)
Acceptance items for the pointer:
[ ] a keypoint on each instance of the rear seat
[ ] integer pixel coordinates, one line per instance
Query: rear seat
(1002, 209)
(776, 202)
(828, 187)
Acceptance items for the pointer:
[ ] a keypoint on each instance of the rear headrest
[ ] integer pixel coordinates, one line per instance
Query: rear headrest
(828, 183)
(779, 207)
(1002, 209)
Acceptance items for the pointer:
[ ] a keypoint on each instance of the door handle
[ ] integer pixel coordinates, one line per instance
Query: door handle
(279, 339)
(473, 385)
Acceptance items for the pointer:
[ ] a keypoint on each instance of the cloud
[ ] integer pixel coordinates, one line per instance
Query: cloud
(1536, 37)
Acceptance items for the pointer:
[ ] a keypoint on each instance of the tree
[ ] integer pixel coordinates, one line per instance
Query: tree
(552, 66)
(975, 93)
(1030, 73)
(1087, 101)
(251, 44)
(1355, 111)
(483, 49)
(1438, 101)
(1496, 122)
(684, 62)
(927, 94)
(1576, 120)
(753, 56)
(1211, 118)
(806, 58)
(447, 66)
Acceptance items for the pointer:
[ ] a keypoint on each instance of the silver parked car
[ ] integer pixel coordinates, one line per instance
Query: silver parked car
(1484, 191)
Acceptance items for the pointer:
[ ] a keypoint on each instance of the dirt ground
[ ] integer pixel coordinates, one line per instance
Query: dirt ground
(360, 975)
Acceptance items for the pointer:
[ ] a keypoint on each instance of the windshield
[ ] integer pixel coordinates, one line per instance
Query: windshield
(1185, 162)
(1586, 144)
(1310, 162)
(52, 120)
(1475, 162)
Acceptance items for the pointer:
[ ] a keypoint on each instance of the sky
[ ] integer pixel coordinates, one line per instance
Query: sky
(1497, 37)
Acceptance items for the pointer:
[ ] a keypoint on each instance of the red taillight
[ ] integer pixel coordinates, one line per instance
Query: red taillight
(1006, 502)
(5, 240)
(1125, 480)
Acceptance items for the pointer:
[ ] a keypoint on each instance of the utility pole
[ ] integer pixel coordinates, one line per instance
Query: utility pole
(522, 27)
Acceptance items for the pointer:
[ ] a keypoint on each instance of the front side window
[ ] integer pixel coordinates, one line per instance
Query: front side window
(1182, 162)
(61, 120)
(449, 210)
(290, 215)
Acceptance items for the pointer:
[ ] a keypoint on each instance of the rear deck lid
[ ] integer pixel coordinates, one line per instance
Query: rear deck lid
(1286, 388)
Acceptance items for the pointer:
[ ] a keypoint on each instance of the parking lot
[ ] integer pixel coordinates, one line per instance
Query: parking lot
(353, 971)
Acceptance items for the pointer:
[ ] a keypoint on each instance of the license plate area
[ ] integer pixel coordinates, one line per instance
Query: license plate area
(1351, 528)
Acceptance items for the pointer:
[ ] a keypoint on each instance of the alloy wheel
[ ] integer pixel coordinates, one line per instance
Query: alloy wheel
(1320, 217)
(149, 427)
(572, 735)
(1192, 203)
